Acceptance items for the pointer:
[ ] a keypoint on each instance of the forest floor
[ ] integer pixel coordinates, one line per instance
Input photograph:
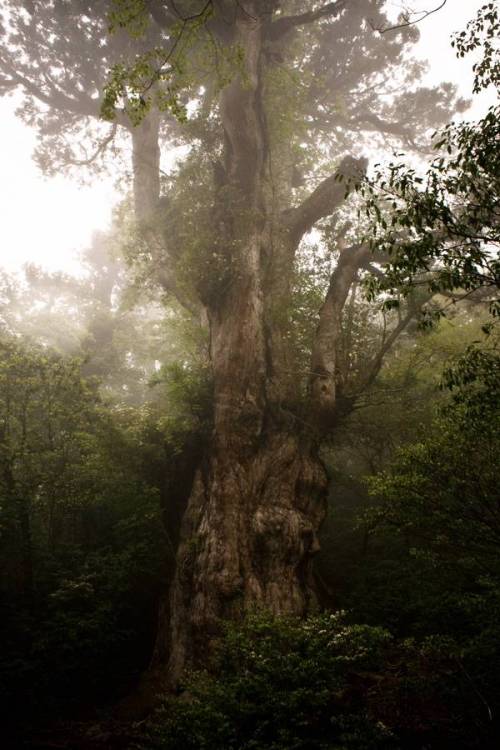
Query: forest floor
(107, 734)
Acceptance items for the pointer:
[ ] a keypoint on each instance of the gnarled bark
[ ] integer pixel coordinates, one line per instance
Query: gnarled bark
(249, 535)
(250, 529)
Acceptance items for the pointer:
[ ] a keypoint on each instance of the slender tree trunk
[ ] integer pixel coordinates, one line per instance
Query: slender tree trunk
(20, 504)
(146, 166)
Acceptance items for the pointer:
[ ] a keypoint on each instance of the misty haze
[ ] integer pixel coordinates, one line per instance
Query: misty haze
(250, 374)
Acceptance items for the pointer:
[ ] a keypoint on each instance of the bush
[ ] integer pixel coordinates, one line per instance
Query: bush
(280, 684)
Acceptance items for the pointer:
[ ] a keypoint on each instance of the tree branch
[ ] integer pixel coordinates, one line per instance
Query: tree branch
(387, 345)
(98, 151)
(282, 26)
(406, 19)
(193, 16)
(371, 121)
(6, 84)
(54, 98)
(323, 384)
(328, 195)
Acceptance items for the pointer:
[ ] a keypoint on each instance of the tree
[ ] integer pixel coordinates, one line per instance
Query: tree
(104, 317)
(44, 409)
(441, 230)
(435, 532)
(82, 549)
(225, 239)
(446, 504)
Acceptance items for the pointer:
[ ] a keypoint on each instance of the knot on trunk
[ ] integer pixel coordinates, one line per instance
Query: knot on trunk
(281, 535)
(323, 398)
(228, 584)
(239, 421)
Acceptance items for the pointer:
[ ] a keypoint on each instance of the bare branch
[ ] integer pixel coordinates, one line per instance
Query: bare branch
(322, 202)
(99, 150)
(387, 345)
(406, 19)
(193, 16)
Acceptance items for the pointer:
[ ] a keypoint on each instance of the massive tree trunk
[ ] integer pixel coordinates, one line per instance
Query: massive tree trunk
(248, 537)
(258, 498)
(249, 533)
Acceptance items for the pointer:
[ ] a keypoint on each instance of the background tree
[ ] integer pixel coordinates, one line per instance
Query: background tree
(81, 544)
(441, 230)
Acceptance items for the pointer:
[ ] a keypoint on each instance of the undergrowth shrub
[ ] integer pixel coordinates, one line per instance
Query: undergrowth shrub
(280, 684)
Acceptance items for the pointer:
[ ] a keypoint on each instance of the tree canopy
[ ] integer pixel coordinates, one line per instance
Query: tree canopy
(441, 229)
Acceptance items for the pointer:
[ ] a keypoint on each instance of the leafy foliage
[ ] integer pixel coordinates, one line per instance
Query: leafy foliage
(444, 230)
(481, 33)
(433, 568)
(420, 553)
(444, 500)
(83, 545)
(279, 683)
(441, 229)
(80, 536)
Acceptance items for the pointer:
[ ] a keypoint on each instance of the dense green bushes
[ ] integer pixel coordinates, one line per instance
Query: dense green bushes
(81, 547)
(83, 554)
(284, 684)
(421, 555)
(280, 684)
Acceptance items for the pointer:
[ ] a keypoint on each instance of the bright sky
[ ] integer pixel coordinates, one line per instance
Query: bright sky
(43, 220)
(48, 221)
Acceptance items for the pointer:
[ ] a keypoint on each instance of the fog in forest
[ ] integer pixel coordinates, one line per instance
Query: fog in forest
(249, 374)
